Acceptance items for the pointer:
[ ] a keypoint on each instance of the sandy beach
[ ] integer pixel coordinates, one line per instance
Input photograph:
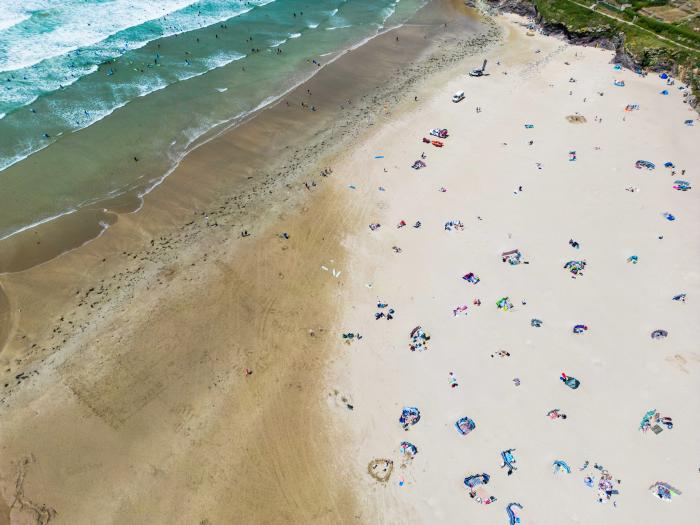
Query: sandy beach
(175, 371)
(515, 187)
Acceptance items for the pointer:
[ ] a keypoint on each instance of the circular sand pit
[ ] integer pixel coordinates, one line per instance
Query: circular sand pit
(380, 469)
(576, 119)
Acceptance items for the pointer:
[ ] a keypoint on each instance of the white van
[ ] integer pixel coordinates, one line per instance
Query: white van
(458, 97)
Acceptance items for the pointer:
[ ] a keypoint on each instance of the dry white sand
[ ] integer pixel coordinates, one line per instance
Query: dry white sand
(623, 372)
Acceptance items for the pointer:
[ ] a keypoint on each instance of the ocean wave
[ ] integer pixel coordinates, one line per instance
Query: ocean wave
(294, 35)
(74, 25)
(36, 66)
(76, 117)
(9, 18)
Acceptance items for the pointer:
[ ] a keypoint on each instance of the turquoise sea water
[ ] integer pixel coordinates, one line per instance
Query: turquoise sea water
(87, 85)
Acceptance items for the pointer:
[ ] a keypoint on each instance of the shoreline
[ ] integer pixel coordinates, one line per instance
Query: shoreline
(79, 226)
(132, 348)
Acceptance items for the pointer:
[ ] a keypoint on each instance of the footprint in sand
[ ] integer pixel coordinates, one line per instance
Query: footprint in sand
(337, 399)
(681, 362)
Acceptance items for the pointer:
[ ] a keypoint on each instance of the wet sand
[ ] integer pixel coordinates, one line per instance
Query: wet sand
(124, 393)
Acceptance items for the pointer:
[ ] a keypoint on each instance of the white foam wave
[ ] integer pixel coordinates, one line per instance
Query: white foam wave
(73, 25)
(78, 118)
(8, 18)
(294, 35)
(81, 24)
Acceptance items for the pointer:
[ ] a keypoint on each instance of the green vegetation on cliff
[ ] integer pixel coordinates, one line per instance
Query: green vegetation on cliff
(649, 41)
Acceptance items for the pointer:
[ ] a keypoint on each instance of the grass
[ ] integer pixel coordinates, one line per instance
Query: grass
(644, 47)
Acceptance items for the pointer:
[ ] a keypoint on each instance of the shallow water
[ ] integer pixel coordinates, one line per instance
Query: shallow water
(103, 98)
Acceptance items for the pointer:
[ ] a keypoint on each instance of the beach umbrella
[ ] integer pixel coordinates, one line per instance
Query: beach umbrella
(659, 334)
